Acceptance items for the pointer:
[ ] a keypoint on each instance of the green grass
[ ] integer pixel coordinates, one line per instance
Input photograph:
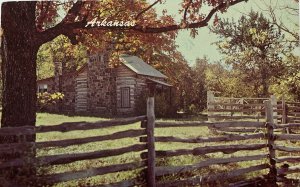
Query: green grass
(53, 119)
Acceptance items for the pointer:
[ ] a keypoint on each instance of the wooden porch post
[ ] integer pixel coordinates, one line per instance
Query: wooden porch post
(150, 137)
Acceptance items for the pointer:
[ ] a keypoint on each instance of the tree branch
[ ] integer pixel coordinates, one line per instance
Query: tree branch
(63, 28)
(186, 9)
(73, 12)
(199, 24)
(146, 9)
(66, 26)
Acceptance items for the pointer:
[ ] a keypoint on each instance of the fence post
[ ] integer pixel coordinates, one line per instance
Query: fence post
(271, 138)
(274, 106)
(284, 115)
(210, 99)
(150, 138)
(284, 120)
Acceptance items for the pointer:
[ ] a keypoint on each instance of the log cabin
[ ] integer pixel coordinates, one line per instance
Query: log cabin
(98, 89)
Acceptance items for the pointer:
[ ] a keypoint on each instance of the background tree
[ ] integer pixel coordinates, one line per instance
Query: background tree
(278, 11)
(72, 57)
(253, 47)
(200, 89)
(225, 81)
(289, 84)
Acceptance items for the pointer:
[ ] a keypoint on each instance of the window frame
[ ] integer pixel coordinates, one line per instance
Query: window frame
(42, 88)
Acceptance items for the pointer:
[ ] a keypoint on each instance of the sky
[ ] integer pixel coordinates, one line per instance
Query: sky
(201, 45)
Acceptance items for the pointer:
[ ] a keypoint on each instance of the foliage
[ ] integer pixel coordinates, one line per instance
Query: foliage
(200, 89)
(45, 65)
(181, 78)
(254, 48)
(293, 77)
(141, 105)
(45, 100)
(289, 85)
(164, 107)
(71, 57)
(226, 81)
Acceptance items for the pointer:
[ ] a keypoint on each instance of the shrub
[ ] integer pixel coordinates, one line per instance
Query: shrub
(47, 100)
(162, 106)
(193, 109)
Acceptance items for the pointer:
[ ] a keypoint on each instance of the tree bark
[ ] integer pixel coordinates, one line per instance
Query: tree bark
(19, 49)
(18, 53)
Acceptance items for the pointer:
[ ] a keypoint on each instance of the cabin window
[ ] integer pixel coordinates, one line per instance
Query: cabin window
(125, 97)
(42, 88)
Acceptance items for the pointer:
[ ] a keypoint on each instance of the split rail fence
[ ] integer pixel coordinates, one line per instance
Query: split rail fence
(229, 108)
(265, 147)
(60, 159)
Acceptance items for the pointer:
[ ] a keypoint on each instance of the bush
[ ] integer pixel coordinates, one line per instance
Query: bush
(141, 105)
(162, 106)
(193, 109)
(47, 100)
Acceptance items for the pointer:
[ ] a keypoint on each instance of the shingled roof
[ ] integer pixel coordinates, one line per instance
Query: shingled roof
(139, 66)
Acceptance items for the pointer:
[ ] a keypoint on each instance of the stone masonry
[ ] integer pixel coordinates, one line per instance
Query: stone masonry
(101, 85)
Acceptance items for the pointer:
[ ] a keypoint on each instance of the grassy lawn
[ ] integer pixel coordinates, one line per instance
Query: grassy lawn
(53, 119)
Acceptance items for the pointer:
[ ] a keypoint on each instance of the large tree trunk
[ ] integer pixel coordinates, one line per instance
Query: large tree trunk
(19, 49)
(18, 52)
(19, 82)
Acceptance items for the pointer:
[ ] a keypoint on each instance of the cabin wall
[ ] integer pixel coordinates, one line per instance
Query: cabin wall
(126, 82)
(68, 88)
(125, 79)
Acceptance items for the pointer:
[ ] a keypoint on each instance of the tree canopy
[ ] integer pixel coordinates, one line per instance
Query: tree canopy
(254, 47)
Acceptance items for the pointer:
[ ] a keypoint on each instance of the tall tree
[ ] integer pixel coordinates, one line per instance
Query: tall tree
(200, 88)
(255, 48)
(225, 81)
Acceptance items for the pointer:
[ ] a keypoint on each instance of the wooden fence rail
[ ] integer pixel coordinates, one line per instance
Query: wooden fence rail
(266, 142)
(215, 177)
(222, 108)
(50, 160)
